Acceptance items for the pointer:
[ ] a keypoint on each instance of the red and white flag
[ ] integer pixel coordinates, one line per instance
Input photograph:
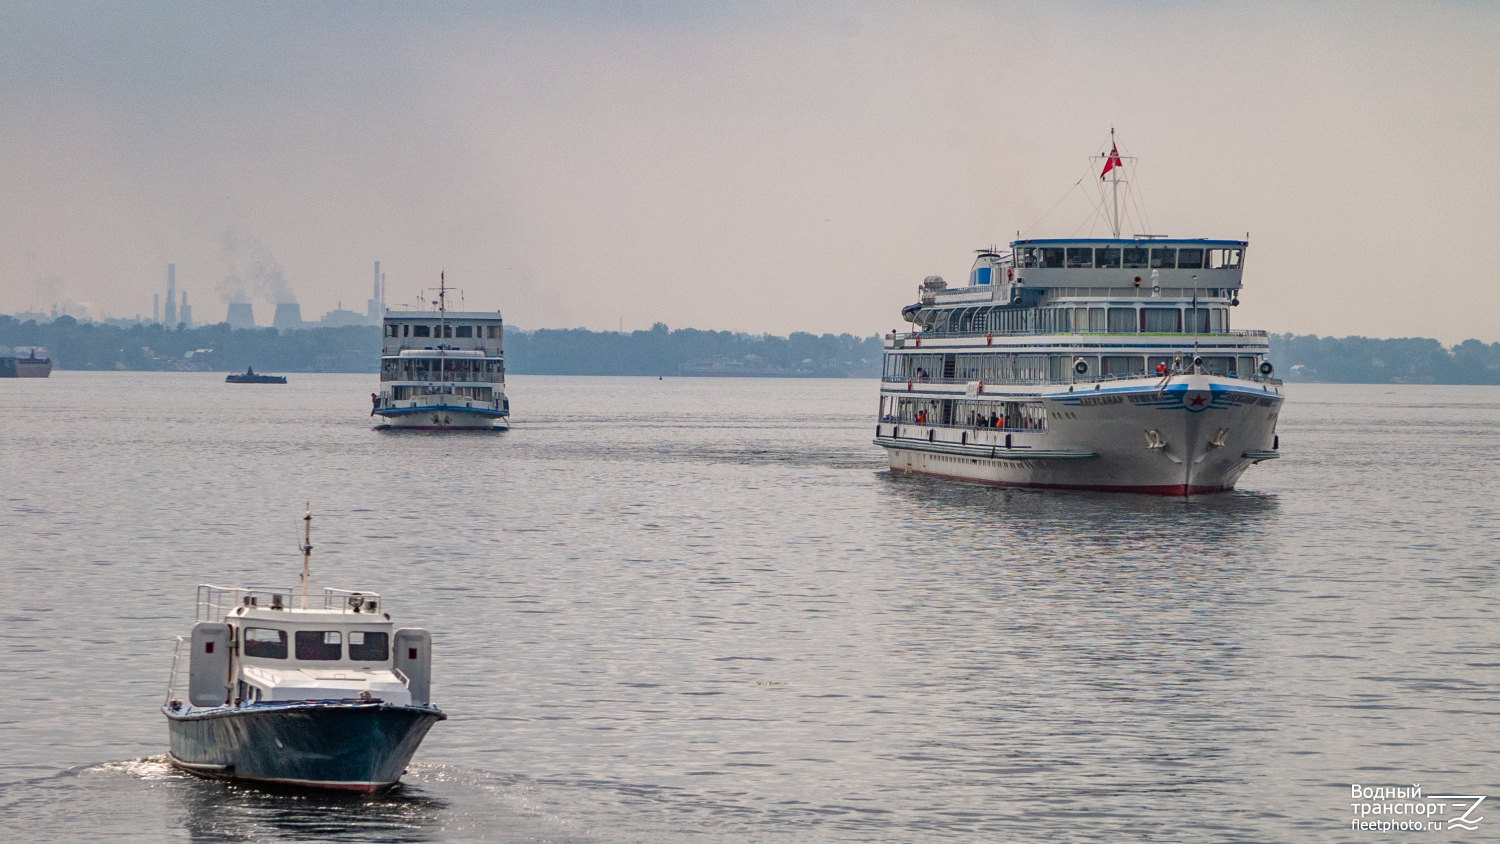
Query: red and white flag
(1111, 160)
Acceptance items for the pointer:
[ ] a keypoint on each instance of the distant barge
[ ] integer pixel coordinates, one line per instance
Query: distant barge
(250, 377)
(35, 364)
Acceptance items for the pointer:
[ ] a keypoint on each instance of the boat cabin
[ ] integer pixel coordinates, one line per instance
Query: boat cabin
(257, 645)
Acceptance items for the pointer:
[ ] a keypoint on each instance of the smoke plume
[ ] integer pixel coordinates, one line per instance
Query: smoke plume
(254, 273)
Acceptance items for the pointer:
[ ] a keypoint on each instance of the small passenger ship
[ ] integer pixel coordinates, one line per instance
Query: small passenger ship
(35, 363)
(282, 692)
(1083, 363)
(443, 370)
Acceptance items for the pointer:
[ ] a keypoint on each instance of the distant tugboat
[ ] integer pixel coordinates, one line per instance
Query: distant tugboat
(35, 364)
(327, 696)
(251, 378)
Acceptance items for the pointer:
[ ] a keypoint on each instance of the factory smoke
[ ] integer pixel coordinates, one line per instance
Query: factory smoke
(253, 273)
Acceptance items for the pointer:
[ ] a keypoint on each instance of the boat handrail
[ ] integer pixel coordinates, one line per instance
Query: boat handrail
(172, 685)
(1033, 332)
(1082, 381)
(215, 603)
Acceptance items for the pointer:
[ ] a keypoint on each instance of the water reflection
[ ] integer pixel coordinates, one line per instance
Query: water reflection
(216, 811)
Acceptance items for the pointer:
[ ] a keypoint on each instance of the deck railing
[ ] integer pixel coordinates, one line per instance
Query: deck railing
(217, 602)
(907, 337)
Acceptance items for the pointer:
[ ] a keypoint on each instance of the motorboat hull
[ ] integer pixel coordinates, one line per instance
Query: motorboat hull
(342, 745)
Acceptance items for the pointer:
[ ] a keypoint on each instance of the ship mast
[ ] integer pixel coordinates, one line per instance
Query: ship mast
(306, 549)
(1114, 182)
(442, 326)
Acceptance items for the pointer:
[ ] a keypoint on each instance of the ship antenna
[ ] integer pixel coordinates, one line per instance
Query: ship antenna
(442, 325)
(1115, 184)
(306, 549)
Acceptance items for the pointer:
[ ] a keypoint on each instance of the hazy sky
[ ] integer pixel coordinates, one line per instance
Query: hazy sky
(763, 167)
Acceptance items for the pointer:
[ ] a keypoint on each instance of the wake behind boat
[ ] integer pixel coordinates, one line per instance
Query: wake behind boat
(442, 370)
(1084, 363)
(295, 690)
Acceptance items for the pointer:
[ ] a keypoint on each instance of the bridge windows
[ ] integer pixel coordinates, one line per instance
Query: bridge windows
(1224, 259)
(421, 331)
(1080, 257)
(1163, 258)
(1107, 257)
(1135, 257)
(1052, 257)
(1190, 259)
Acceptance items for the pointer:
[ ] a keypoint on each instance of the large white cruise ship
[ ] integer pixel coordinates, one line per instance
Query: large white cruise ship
(1083, 363)
(443, 370)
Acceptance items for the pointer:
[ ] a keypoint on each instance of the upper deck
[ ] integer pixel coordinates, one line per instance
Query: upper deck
(482, 331)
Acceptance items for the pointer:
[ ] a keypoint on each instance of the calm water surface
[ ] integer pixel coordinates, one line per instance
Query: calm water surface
(699, 610)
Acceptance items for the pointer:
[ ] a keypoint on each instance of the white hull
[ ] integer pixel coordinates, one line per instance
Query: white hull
(416, 415)
(1191, 434)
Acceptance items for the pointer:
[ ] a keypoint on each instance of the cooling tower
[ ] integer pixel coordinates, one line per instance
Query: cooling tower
(288, 316)
(241, 315)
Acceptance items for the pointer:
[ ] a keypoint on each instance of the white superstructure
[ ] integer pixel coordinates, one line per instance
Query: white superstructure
(443, 370)
(1087, 363)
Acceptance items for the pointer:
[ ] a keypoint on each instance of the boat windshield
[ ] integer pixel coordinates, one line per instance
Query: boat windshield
(320, 644)
(265, 643)
(368, 646)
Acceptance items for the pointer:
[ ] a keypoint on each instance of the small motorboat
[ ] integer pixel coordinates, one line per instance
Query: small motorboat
(292, 690)
(251, 377)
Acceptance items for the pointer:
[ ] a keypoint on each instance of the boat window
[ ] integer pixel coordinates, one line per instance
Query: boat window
(1107, 257)
(319, 644)
(1135, 257)
(1197, 320)
(1246, 367)
(1163, 259)
(421, 331)
(368, 646)
(1123, 365)
(1161, 320)
(1029, 256)
(465, 331)
(390, 331)
(1223, 259)
(264, 643)
(1190, 259)
(1052, 256)
(1122, 320)
(494, 332)
(1080, 257)
(1218, 365)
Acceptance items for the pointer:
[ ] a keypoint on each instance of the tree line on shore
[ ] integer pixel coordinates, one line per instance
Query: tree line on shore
(663, 351)
(659, 351)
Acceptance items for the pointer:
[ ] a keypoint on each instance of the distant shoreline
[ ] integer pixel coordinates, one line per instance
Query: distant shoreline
(663, 352)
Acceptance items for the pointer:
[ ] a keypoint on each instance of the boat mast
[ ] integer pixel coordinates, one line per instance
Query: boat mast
(306, 551)
(442, 327)
(1114, 181)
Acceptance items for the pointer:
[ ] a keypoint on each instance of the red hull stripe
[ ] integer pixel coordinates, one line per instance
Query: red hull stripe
(1163, 489)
